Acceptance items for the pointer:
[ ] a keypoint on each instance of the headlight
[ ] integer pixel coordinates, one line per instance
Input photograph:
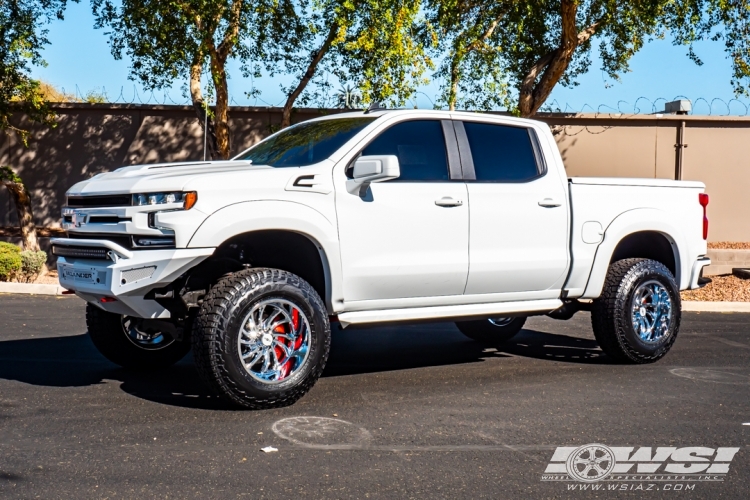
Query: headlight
(187, 199)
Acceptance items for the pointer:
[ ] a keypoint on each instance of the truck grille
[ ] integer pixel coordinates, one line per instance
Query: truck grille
(113, 200)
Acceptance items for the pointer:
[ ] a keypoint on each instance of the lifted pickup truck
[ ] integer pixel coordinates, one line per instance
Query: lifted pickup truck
(372, 218)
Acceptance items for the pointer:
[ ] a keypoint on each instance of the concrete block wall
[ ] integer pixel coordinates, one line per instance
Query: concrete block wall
(723, 261)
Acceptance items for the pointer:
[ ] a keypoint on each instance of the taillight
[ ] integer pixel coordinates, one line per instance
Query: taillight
(703, 200)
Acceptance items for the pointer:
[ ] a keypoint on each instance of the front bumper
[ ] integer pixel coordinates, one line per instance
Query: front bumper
(125, 276)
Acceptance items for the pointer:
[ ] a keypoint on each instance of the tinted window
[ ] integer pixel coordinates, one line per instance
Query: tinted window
(420, 147)
(501, 153)
(305, 143)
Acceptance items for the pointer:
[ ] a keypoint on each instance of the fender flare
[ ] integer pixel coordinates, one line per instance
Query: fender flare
(250, 216)
(636, 221)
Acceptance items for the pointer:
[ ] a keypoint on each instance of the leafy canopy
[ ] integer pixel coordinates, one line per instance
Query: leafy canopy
(22, 37)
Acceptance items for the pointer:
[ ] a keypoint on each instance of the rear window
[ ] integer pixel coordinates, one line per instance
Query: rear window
(306, 143)
(501, 153)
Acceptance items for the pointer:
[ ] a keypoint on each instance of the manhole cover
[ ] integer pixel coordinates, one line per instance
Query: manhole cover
(320, 431)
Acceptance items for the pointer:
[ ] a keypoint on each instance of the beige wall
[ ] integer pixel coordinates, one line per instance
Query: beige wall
(94, 138)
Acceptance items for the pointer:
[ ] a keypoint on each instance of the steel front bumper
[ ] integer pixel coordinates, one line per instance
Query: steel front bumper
(125, 275)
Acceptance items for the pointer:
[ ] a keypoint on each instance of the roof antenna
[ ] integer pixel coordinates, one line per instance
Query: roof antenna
(374, 106)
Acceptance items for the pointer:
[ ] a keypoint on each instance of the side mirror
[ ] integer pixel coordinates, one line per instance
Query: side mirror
(368, 169)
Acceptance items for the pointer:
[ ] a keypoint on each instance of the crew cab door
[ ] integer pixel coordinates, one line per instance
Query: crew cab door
(406, 238)
(519, 216)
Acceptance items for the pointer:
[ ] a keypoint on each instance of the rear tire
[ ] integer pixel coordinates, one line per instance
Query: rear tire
(261, 338)
(492, 331)
(110, 334)
(637, 317)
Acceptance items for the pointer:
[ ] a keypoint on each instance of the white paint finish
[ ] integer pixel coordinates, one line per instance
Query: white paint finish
(626, 181)
(396, 243)
(592, 232)
(410, 246)
(170, 264)
(282, 215)
(623, 210)
(447, 312)
(444, 300)
(516, 245)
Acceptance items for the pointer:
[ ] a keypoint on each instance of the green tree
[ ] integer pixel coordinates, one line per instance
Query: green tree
(171, 39)
(23, 34)
(725, 21)
(374, 44)
(471, 65)
(533, 45)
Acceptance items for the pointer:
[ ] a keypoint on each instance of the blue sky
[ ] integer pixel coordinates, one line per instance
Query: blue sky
(79, 60)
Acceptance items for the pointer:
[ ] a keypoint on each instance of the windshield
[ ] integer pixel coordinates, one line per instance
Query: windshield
(305, 143)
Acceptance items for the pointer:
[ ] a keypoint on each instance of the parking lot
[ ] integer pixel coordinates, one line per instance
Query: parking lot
(401, 412)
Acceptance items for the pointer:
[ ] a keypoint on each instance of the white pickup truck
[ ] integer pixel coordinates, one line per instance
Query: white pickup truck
(372, 218)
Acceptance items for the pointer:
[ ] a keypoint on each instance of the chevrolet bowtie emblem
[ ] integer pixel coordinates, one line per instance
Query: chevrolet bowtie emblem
(79, 219)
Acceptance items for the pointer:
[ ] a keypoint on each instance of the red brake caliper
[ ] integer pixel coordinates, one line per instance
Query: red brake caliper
(286, 367)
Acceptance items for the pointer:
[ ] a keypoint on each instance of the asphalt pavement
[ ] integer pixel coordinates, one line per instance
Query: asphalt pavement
(401, 412)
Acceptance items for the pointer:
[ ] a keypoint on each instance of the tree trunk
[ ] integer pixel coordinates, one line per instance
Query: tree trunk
(223, 134)
(535, 89)
(286, 113)
(201, 110)
(455, 76)
(22, 202)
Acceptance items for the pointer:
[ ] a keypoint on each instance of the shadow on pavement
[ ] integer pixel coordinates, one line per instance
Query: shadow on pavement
(72, 361)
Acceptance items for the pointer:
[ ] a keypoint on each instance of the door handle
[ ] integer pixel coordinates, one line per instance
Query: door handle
(447, 201)
(549, 203)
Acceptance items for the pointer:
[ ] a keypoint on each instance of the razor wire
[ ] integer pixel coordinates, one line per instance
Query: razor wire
(701, 106)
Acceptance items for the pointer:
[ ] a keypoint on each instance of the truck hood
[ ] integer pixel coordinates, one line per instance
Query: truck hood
(159, 177)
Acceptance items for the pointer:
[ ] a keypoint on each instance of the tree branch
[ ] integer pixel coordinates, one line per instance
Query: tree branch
(230, 36)
(533, 93)
(286, 115)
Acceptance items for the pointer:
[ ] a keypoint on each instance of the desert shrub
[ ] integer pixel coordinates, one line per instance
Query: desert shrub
(10, 265)
(9, 248)
(31, 264)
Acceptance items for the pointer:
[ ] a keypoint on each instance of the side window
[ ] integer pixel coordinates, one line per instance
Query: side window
(420, 147)
(501, 153)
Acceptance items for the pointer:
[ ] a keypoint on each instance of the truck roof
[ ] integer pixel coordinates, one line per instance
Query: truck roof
(456, 114)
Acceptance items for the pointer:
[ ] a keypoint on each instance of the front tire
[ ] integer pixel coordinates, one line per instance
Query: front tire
(492, 331)
(121, 340)
(637, 317)
(261, 338)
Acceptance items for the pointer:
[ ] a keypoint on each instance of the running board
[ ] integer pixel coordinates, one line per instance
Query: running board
(448, 312)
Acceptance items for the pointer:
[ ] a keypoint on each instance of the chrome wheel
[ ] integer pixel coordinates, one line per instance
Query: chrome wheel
(651, 311)
(274, 340)
(500, 321)
(145, 338)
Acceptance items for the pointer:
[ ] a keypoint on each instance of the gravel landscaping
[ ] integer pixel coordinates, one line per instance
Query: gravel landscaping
(722, 289)
(729, 245)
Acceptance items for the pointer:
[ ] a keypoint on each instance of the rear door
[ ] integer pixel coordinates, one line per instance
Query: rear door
(518, 242)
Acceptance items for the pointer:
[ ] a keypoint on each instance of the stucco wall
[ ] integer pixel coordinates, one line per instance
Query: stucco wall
(94, 138)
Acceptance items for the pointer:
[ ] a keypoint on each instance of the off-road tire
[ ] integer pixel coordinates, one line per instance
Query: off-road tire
(217, 327)
(107, 333)
(611, 312)
(490, 334)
